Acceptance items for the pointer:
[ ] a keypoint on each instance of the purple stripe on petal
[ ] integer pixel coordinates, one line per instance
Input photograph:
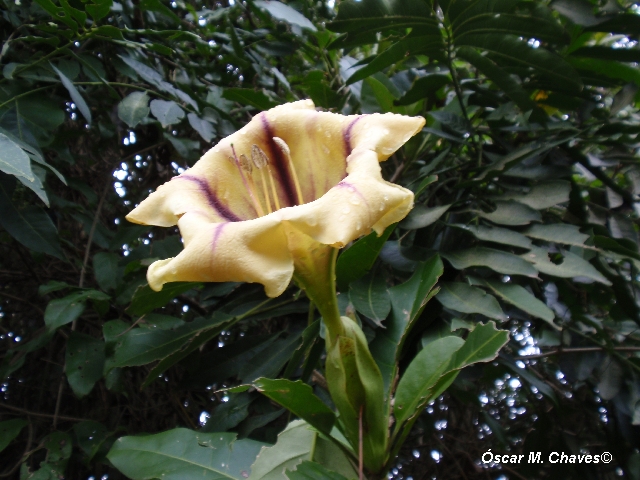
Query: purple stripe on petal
(353, 189)
(212, 198)
(217, 231)
(279, 163)
(347, 134)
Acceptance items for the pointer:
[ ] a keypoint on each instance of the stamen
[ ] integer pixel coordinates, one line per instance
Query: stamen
(261, 160)
(247, 185)
(284, 148)
(247, 166)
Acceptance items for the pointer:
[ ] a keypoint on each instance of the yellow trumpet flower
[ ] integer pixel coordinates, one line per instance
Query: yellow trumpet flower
(267, 201)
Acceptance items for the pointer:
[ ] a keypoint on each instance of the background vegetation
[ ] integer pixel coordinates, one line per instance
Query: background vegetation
(526, 180)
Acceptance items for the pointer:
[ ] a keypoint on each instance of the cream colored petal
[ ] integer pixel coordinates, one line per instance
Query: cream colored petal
(361, 202)
(253, 251)
(384, 133)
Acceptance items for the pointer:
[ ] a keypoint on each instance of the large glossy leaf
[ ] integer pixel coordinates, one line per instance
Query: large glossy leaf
(408, 300)
(521, 298)
(13, 159)
(358, 259)
(497, 260)
(181, 453)
(140, 346)
(467, 299)
(511, 213)
(569, 266)
(542, 196)
(508, 50)
(370, 297)
(85, 362)
(298, 398)
(62, 311)
(422, 374)
(382, 15)
(313, 471)
(30, 226)
(498, 76)
(426, 43)
(422, 216)
(440, 358)
(294, 445)
(286, 13)
(497, 235)
(144, 299)
(563, 233)
(10, 429)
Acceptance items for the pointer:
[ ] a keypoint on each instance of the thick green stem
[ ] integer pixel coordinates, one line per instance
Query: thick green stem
(315, 272)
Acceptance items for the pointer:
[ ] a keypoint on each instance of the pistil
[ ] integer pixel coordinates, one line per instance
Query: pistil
(284, 148)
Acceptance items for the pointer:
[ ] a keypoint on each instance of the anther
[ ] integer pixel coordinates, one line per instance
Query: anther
(260, 160)
(284, 148)
(243, 165)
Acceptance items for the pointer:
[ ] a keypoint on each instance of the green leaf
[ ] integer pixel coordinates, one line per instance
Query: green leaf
(422, 216)
(13, 159)
(167, 112)
(313, 471)
(180, 453)
(294, 445)
(298, 398)
(407, 302)
(91, 438)
(412, 45)
(134, 108)
(62, 311)
(569, 266)
(202, 126)
(140, 346)
(358, 259)
(248, 96)
(75, 95)
(482, 345)
(268, 362)
(58, 13)
(541, 196)
(521, 298)
(466, 299)
(508, 50)
(429, 373)
(504, 236)
(629, 55)
(496, 260)
(9, 430)
(511, 213)
(370, 297)
(145, 300)
(31, 226)
(423, 87)
(374, 15)
(498, 76)
(229, 414)
(558, 233)
(85, 362)
(99, 9)
(105, 269)
(284, 12)
(608, 68)
(422, 374)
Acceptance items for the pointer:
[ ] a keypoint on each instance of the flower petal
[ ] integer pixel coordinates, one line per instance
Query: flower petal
(383, 133)
(249, 251)
(360, 202)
